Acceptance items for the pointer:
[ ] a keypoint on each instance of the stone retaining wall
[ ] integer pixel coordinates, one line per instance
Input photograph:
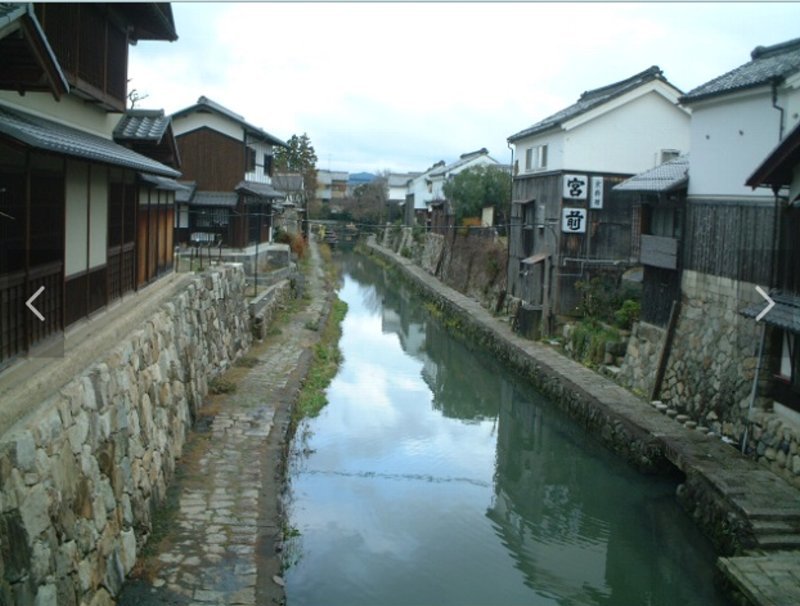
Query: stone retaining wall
(638, 370)
(710, 371)
(264, 307)
(713, 358)
(81, 476)
(472, 264)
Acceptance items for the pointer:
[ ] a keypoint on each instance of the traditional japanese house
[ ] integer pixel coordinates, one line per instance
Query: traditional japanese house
(780, 172)
(658, 200)
(565, 225)
(73, 202)
(230, 162)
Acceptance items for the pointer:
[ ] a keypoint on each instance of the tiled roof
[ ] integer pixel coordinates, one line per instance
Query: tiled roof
(204, 103)
(666, 177)
(767, 64)
(186, 195)
(463, 159)
(163, 183)
(142, 125)
(214, 198)
(292, 182)
(591, 99)
(50, 136)
(261, 190)
(785, 314)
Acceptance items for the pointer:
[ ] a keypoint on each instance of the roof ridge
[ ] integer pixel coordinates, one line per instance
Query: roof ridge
(159, 113)
(762, 52)
(651, 72)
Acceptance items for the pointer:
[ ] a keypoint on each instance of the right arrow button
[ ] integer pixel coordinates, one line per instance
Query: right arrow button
(770, 303)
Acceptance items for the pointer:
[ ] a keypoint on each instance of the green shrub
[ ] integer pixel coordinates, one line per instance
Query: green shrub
(626, 315)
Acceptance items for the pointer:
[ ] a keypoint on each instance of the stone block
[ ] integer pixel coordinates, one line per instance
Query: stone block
(25, 451)
(46, 596)
(35, 511)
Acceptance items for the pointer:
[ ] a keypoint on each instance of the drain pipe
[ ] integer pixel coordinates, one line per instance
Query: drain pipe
(778, 107)
(754, 389)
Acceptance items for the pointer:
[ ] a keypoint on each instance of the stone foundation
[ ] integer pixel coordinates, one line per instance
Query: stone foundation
(638, 370)
(81, 476)
(472, 264)
(709, 375)
(713, 359)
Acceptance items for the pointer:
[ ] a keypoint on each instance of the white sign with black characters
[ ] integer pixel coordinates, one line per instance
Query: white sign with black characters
(576, 187)
(596, 201)
(573, 220)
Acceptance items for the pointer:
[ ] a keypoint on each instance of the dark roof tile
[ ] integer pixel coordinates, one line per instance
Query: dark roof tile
(591, 99)
(666, 177)
(767, 64)
(142, 125)
(50, 136)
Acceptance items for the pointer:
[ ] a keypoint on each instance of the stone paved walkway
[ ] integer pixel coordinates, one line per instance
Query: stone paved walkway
(768, 580)
(219, 548)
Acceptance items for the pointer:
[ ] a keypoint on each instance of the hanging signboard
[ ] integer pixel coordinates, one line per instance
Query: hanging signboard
(576, 187)
(573, 220)
(596, 201)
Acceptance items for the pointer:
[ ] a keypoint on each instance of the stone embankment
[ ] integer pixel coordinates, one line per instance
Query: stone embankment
(221, 540)
(81, 476)
(740, 505)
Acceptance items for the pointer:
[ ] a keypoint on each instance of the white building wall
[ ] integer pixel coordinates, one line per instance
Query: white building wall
(629, 138)
(193, 121)
(730, 137)
(98, 217)
(555, 151)
(75, 227)
(70, 111)
(419, 187)
(259, 175)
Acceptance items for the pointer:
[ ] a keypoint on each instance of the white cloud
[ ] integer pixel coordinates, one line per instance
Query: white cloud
(402, 85)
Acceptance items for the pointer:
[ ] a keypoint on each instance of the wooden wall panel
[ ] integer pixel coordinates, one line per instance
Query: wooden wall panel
(215, 161)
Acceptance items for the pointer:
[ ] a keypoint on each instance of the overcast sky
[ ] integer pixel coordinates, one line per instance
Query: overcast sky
(395, 86)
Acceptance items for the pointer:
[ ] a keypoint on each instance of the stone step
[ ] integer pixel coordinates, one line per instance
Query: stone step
(778, 541)
(776, 526)
(787, 514)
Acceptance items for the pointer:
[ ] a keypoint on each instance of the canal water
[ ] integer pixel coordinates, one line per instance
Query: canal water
(435, 476)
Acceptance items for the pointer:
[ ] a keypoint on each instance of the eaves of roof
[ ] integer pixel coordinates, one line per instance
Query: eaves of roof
(224, 199)
(785, 314)
(664, 178)
(590, 100)
(46, 135)
(14, 17)
(206, 104)
(259, 190)
(777, 169)
(768, 65)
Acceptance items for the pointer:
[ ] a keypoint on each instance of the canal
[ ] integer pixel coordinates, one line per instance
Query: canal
(436, 476)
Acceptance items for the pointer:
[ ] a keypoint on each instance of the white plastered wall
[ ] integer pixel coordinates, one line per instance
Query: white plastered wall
(98, 217)
(76, 229)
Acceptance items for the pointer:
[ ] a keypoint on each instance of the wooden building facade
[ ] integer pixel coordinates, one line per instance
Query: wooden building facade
(230, 165)
(549, 252)
(72, 200)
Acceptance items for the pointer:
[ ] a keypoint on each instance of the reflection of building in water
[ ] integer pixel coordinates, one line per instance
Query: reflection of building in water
(576, 524)
(561, 551)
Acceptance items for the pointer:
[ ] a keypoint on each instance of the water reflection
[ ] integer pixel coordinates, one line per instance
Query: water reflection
(438, 477)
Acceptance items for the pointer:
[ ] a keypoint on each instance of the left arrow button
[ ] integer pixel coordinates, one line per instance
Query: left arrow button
(29, 304)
